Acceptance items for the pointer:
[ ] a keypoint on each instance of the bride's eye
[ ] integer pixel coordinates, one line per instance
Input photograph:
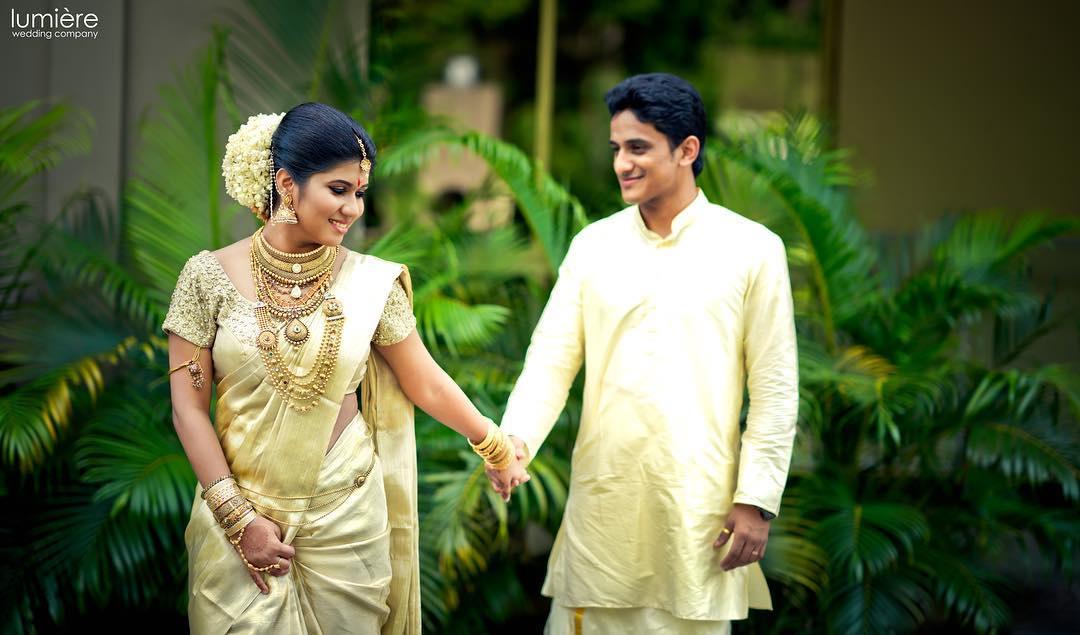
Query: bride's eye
(338, 190)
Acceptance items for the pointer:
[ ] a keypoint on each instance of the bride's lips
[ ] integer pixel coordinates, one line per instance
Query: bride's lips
(341, 227)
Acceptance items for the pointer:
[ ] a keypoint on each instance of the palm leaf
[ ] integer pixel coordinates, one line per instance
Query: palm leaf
(174, 203)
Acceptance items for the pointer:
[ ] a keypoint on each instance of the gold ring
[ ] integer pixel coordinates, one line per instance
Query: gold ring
(726, 530)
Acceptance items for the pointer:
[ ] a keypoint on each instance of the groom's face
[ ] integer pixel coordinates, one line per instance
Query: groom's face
(644, 161)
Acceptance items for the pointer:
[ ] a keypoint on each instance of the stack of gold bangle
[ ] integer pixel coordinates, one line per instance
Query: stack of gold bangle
(230, 508)
(496, 449)
(233, 512)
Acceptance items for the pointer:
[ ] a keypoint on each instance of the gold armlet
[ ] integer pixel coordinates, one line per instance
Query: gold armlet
(193, 367)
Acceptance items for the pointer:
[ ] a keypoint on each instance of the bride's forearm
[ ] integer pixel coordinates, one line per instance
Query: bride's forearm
(448, 404)
(428, 386)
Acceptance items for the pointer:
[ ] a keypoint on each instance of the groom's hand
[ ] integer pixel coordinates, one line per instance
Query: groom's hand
(749, 533)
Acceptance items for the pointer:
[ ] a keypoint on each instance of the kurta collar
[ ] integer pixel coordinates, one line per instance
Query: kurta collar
(681, 221)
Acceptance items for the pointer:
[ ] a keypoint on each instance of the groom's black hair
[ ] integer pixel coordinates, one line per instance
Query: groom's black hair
(667, 102)
(313, 137)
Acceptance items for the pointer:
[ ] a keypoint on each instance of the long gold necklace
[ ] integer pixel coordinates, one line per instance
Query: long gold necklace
(301, 392)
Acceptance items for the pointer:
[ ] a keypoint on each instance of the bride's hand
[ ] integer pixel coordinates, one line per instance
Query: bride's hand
(262, 547)
(504, 481)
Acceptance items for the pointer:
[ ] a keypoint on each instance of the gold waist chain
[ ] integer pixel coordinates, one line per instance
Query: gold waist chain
(356, 484)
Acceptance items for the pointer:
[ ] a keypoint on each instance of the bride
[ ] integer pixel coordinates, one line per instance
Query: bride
(301, 475)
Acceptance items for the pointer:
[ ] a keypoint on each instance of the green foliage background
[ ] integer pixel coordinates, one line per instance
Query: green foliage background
(919, 466)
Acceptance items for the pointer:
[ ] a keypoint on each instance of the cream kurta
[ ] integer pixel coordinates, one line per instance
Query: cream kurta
(669, 330)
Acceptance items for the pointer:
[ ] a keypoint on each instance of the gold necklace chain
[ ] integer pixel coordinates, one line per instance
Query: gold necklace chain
(304, 306)
(301, 392)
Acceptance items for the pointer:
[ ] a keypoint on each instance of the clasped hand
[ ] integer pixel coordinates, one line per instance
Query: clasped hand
(504, 481)
(262, 546)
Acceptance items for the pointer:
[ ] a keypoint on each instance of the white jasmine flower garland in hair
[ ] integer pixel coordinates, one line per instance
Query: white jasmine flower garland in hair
(246, 166)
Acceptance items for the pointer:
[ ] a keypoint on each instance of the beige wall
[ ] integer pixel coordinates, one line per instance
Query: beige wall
(956, 106)
(114, 77)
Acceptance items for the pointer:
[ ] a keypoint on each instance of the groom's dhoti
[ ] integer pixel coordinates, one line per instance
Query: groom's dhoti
(604, 621)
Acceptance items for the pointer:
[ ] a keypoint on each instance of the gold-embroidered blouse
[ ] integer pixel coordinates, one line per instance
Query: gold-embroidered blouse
(205, 299)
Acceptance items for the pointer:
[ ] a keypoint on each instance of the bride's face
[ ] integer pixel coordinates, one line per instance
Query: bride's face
(327, 206)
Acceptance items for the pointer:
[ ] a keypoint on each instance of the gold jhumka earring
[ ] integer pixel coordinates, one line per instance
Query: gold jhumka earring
(284, 215)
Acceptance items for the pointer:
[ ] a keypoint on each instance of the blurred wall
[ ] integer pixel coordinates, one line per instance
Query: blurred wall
(959, 106)
(114, 77)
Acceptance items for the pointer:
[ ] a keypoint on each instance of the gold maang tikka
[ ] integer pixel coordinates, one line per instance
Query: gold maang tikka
(365, 163)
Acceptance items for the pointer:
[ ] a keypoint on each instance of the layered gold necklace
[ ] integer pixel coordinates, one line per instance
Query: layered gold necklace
(291, 286)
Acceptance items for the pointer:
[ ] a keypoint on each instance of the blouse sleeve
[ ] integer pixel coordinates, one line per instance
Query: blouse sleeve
(397, 319)
(190, 314)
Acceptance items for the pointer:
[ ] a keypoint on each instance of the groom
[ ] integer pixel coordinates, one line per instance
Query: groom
(674, 304)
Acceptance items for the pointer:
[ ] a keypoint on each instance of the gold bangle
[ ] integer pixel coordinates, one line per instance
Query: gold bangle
(502, 456)
(244, 521)
(214, 482)
(485, 443)
(230, 505)
(219, 486)
(235, 516)
(498, 448)
(221, 495)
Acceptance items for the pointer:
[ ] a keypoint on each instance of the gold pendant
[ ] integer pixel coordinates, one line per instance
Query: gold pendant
(296, 332)
(332, 306)
(267, 340)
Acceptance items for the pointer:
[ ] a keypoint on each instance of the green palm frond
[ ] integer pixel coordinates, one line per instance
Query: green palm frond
(136, 459)
(456, 323)
(84, 250)
(455, 526)
(34, 414)
(792, 557)
(864, 540)
(174, 203)
(1031, 452)
(965, 593)
(403, 243)
(976, 268)
(983, 242)
(31, 418)
(32, 143)
(279, 51)
(101, 554)
(805, 202)
(552, 213)
(896, 602)
(1066, 382)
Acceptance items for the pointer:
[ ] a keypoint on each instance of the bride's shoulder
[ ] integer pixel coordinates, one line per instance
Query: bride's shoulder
(238, 249)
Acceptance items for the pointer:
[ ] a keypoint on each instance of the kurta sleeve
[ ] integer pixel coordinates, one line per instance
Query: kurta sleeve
(190, 313)
(397, 319)
(772, 368)
(552, 360)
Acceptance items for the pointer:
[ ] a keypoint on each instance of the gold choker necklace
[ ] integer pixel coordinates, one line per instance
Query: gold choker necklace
(276, 266)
